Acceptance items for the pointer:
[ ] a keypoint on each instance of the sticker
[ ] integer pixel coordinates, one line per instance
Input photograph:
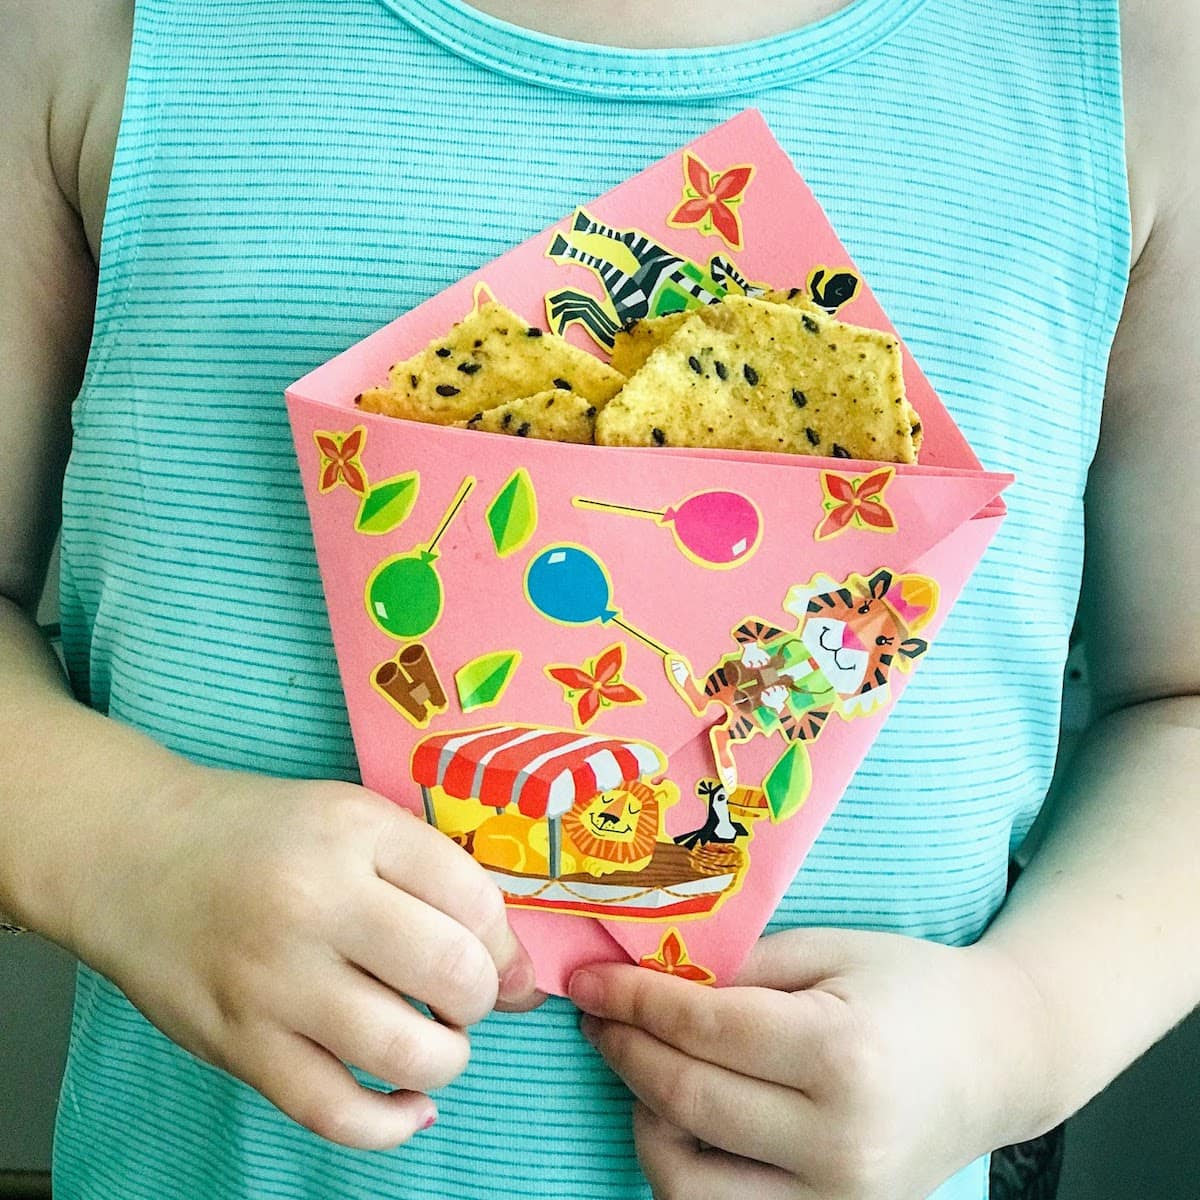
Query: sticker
(847, 638)
(410, 684)
(404, 593)
(513, 515)
(671, 958)
(570, 822)
(482, 295)
(727, 818)
(482, 681)
(340, 459)
(711, 200)
(855, 500)
(568, 584)
(831, 290)
(386, 504)
(714, 529)
(640, 277)
(595, 685)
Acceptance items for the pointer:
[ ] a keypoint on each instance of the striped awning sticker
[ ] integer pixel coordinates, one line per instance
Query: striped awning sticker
(542, 771)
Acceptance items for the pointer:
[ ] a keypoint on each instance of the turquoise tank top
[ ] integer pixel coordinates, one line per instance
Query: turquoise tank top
(290, 176)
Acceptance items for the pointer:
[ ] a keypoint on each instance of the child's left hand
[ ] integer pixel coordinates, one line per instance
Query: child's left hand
(840, 1066)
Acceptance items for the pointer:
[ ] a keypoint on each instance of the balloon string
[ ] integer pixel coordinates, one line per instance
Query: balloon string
(653, 513)
(463, 493)
(637, 633)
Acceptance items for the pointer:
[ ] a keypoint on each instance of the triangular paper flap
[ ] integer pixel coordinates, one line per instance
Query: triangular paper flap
(721, 942)
(581, 943)
(776, 205)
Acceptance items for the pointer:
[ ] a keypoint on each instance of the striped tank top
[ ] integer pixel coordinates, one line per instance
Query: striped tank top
(289, 177)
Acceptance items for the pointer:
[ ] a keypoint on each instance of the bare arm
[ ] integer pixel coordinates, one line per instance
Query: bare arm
(253, 920)
(45, 322)
(1104, 919)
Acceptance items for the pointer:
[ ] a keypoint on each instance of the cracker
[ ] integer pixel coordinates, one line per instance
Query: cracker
(639, 339)
(633, 344)
(748, 374)
(488, 359)
(553, 416)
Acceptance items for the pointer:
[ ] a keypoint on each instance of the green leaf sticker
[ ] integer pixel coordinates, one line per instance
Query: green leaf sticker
(512, 516)
(387, 503)
(788, 782)
(483, 680)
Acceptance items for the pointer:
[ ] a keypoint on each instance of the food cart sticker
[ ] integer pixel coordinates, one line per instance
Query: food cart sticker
(483, 681)
(715, 529)
(341, 460)
(671, 958)
(386, 504)
(512, 515)
(856, 501)
(409, 683)
(595, 685)
(946, 509)
(403, 593)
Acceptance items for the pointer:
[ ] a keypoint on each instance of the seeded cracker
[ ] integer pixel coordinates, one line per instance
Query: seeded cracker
(751, 375)
(488, 359)
(635, 343)
(553, 416)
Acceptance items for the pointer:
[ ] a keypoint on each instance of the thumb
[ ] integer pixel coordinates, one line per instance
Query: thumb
(803, 958)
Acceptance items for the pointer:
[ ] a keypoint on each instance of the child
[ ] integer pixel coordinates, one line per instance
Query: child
(290, 176)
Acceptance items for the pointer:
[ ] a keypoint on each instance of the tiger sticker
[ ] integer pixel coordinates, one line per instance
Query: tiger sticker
(847, 639)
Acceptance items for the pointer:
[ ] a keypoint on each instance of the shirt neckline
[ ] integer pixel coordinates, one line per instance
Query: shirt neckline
(696, 74)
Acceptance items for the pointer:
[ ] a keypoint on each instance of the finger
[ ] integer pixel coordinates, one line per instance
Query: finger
(415, 858)
(418, 951)
(362, 1022)
(762, 1121)
(676, 1164)
(725, 1026)
(802, 958)
(313, 1088)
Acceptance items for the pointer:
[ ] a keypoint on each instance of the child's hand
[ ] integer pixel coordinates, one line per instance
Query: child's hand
(842, 1066)
(274, 927)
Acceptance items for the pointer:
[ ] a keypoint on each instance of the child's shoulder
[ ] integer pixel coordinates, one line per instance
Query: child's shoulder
(1160, 43)
(62, 79)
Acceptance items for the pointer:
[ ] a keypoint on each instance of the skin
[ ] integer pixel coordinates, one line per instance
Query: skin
(840, 1064)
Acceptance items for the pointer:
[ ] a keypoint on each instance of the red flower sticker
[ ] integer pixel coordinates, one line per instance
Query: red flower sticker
(595, 685)
(340, 462)
(672, 959)
(857, 501)
(710, 200)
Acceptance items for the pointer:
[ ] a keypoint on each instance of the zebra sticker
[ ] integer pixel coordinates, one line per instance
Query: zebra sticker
(641, 278)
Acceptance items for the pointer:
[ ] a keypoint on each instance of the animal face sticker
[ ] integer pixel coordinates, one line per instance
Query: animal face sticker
(615, 830)
(847, 638)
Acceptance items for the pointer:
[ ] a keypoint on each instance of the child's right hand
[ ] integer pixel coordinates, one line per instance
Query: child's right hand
(275, 928)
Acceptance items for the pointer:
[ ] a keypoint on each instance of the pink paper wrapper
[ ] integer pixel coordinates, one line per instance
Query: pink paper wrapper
(632, 682)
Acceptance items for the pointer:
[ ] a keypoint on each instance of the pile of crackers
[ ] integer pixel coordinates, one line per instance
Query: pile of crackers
(772, 373)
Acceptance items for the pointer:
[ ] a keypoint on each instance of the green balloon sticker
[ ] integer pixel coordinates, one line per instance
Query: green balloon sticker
(404, 593)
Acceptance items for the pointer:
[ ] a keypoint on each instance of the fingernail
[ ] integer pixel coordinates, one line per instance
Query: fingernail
(429, 1120)
(589, 1027)
(517, 982)
(586, 989)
